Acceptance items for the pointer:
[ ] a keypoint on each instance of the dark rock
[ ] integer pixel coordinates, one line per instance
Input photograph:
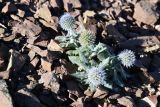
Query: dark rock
(24, 98)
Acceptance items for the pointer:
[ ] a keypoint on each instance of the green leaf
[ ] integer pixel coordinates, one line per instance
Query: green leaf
(72, 53)
(61, 38)
(76, 60)
(107, 85)
(104, 63)
(103, 55)
(79, 75)
(92, 88)
(82, 57)
(117, 79)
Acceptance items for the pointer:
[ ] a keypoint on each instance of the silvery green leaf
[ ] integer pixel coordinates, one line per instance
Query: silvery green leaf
(82, 57)
(102, 49)
(72, 33)
(122, 72)
(70, 45)
(80, 75)
(97, 47)
(92, 88)
(92, 55)
(72, 52)
(104, 63)
(93, 63)
(103, 55)
(117, 79)
(107, 85)
(62, 45)
(91, 47)
(60, 38)
(76, 60)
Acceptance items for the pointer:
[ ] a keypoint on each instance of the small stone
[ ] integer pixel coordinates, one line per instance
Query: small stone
(10, 38)
(88, 92)
(55, 3)
(35, 61)
(114, 33)
(100, 93)
(53, 25)
(47, 99)
(114, 96)
(9, 7)
(69, 4)
(32, 39)
(50, 81)
(44, 13)
(145, 12)
(73, 88)
(6, 100)
(27, 28)
(78, 103)
(36, 49)
(2, 30)
(157, 27)
(21, 13)
(24, 98)
(16, 61)
(15, 17)
(150, 101)
(154, 1)
(4, 54)
(53, 46)
(46, 65)
(158, 93)
(5, 74)
(144, 75)
(126, 101)
(42, 43)
(139, 92)
(31, 54)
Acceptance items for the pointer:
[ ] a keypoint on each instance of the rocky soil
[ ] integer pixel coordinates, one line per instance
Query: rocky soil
(34, 68)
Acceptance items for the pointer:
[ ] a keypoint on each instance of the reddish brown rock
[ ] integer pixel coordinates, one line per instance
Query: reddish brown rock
(27, 28)
(16, 61)
(114, 33)
(44, 15)
(69, 3)
(46, 65)
(139, 92)
(9, 7)
(73, 88)
(53, 46)
(4, 54)
(150, 101)
(154, 1)
(145, 12)
(36, 49)
(50, 81)
(31, 54)
(78, 103)
(6, 100)
(100, 93)
(35, 61)
(126, 101)
(88, 92)
(24, 98)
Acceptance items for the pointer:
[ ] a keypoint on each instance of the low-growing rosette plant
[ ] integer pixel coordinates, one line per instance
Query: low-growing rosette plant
(67, 23)
(97, 65)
